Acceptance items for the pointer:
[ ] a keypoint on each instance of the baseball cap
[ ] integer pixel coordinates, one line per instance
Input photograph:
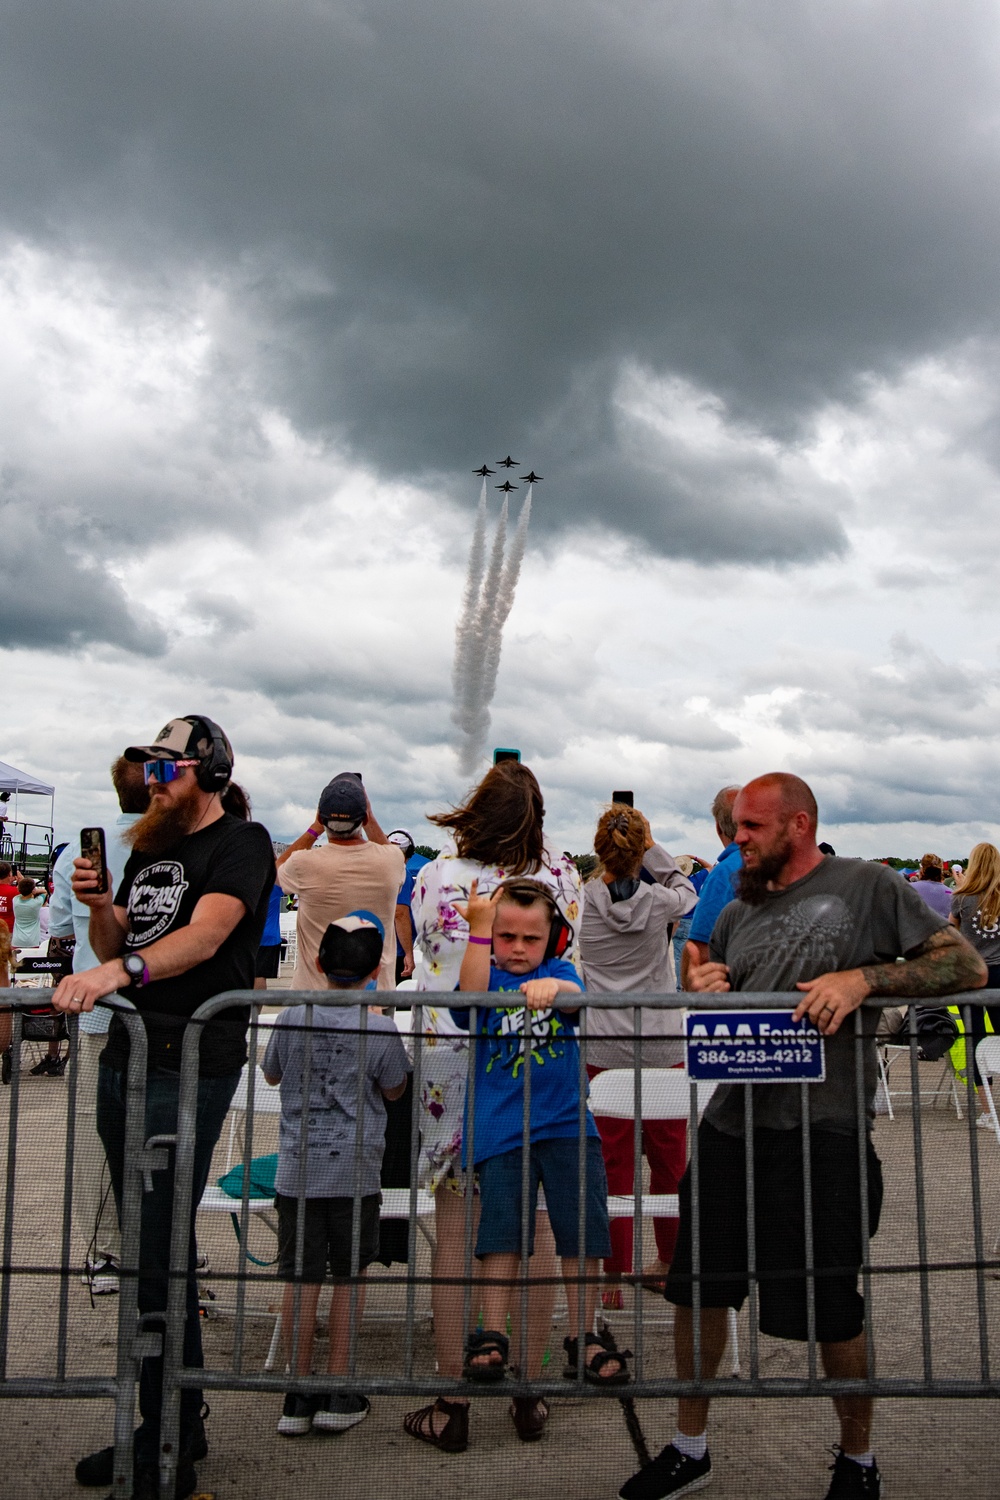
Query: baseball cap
(343, 805)
(402, 839)
(351, 947)
(179, 739)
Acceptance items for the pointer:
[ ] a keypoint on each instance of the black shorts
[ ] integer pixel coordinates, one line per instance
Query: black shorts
(327, 1237)
(780, 1230)
(267, 961)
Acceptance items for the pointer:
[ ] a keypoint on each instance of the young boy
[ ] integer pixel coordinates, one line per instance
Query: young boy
(349, 957)
(517, 922)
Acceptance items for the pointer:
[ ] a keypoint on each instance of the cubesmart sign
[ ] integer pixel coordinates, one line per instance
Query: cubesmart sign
(757, 1046)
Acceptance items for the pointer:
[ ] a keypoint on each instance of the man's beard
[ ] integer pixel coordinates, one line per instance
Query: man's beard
(164, 824)
(753, 880)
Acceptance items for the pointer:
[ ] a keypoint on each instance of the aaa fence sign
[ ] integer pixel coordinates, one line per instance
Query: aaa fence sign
(757, 1046)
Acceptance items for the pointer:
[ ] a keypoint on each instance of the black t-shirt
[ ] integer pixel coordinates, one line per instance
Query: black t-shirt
(231, 858)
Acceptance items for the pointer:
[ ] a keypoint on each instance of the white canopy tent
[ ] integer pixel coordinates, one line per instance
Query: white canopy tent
(21, 837)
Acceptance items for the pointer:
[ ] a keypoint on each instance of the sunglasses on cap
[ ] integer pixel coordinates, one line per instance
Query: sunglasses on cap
(164, 771)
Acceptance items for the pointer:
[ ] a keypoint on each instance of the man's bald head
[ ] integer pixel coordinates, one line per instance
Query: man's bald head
(795, 794)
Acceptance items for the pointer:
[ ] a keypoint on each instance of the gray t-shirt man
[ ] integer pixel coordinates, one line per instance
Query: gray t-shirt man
(333, 1097)
(845, 914)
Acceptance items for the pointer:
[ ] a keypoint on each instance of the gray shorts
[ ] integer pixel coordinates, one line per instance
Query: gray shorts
(327, 1236)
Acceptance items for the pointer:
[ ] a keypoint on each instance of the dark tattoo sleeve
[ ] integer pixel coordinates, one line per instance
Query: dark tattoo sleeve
(942, 965)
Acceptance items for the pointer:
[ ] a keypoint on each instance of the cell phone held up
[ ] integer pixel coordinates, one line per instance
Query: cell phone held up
(92, 848)
(626, 798)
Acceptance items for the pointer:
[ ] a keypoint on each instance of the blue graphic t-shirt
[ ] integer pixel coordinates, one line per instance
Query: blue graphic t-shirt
(555, 1072)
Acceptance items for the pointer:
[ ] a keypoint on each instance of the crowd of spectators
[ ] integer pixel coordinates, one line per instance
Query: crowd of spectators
(192, 908)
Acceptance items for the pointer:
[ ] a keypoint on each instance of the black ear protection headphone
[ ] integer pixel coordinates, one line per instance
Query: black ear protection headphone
(560, 932)
(212, 774)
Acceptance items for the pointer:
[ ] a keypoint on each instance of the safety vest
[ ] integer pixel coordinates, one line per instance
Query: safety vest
(957, 1052)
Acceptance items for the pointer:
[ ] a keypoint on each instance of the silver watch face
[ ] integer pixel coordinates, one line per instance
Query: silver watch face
(134, 965)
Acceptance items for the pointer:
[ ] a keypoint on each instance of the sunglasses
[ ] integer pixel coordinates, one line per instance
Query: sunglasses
(164, 771)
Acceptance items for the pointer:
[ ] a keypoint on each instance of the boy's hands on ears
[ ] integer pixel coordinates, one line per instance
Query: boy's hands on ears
(540, 993)
(478, 911)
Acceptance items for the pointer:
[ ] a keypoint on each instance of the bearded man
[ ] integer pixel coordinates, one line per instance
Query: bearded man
(184, 924)
(830, 931)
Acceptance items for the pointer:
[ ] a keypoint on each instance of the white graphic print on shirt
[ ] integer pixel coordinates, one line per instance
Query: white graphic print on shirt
(154, 901)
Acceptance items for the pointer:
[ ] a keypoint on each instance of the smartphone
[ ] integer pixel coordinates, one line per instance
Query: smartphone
(499, 755)
(628, 798)
(92, 848)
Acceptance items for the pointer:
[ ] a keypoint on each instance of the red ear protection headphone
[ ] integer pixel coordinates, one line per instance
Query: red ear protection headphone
(560, 932)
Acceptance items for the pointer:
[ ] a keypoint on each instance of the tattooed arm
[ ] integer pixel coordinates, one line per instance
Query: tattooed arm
(942, 965)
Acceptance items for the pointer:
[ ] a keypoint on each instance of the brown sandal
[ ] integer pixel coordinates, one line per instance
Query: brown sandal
(529, 1415)
(454, 1435)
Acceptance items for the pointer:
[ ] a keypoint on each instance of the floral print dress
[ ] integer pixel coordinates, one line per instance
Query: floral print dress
(442, 935)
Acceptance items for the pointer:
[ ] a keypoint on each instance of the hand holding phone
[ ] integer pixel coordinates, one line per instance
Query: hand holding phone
(92, 848)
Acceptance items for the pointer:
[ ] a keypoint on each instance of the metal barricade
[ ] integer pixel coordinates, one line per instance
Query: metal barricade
(939, 1348)
(120, 1385)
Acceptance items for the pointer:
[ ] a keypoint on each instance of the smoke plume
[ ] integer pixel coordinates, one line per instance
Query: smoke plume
(486, 604)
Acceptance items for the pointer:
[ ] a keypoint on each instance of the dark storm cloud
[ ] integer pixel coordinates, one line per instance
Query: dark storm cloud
(445, 230)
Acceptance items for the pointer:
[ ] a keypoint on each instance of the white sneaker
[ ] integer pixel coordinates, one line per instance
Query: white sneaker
(297, 1415)
(340, 1412)
(985, 1122)
(101, 1275)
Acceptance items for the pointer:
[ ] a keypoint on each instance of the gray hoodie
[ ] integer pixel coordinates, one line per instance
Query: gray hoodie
(625, 945)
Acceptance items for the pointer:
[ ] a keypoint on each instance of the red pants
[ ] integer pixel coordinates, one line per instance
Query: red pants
(664, 1145)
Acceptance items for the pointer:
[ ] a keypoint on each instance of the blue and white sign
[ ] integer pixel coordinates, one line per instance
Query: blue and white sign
(756, 1046)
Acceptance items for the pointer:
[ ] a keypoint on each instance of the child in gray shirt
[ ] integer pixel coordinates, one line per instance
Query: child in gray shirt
(332, 1169)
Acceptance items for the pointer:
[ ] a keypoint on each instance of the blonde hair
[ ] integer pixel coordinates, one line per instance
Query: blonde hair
(982, 879)
(620, 840)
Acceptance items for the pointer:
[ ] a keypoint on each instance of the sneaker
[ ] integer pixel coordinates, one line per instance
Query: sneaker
(670, 1473)
(99, 1468)
(340, 1412)
(47, 1068)
(853, 1481)
(985, 1122)
(297, 1415)
(101, 1275)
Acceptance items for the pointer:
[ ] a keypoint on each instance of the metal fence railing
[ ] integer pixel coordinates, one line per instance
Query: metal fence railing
(21, 1238)
(930, 1317)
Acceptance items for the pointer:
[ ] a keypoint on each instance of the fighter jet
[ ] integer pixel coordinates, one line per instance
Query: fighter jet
(506, 486)
(506, 463)
(483, 471)
(532, 478)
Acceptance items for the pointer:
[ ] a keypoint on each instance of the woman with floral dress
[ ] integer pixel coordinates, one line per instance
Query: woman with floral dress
(497, 833)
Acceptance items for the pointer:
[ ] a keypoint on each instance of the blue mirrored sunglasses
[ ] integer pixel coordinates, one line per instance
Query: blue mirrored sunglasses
(164, 771)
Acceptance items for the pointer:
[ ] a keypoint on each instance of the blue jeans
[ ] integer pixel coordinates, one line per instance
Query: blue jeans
(162, 1090)
(680, 937)
(554, 1164)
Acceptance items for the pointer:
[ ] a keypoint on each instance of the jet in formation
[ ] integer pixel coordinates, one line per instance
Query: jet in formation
(506, 486)
(483, 471)
(532, 478)
(506, 463)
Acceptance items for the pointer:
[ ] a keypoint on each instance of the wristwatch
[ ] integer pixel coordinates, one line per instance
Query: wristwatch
(135, 967)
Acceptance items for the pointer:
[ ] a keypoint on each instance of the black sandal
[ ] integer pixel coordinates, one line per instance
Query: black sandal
(454, 1435)
(592, 1370)
(486, 1341)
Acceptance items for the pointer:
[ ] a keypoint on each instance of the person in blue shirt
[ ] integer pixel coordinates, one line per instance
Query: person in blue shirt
(720, 886)
(405, 928)
(268, 960)
(522, 926)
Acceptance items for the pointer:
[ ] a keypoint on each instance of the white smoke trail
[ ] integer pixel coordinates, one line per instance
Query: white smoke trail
(470, 606)
(504, 603)
(486, 605)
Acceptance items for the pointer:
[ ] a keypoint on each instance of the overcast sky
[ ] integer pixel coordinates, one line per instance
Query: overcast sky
(275, 277)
